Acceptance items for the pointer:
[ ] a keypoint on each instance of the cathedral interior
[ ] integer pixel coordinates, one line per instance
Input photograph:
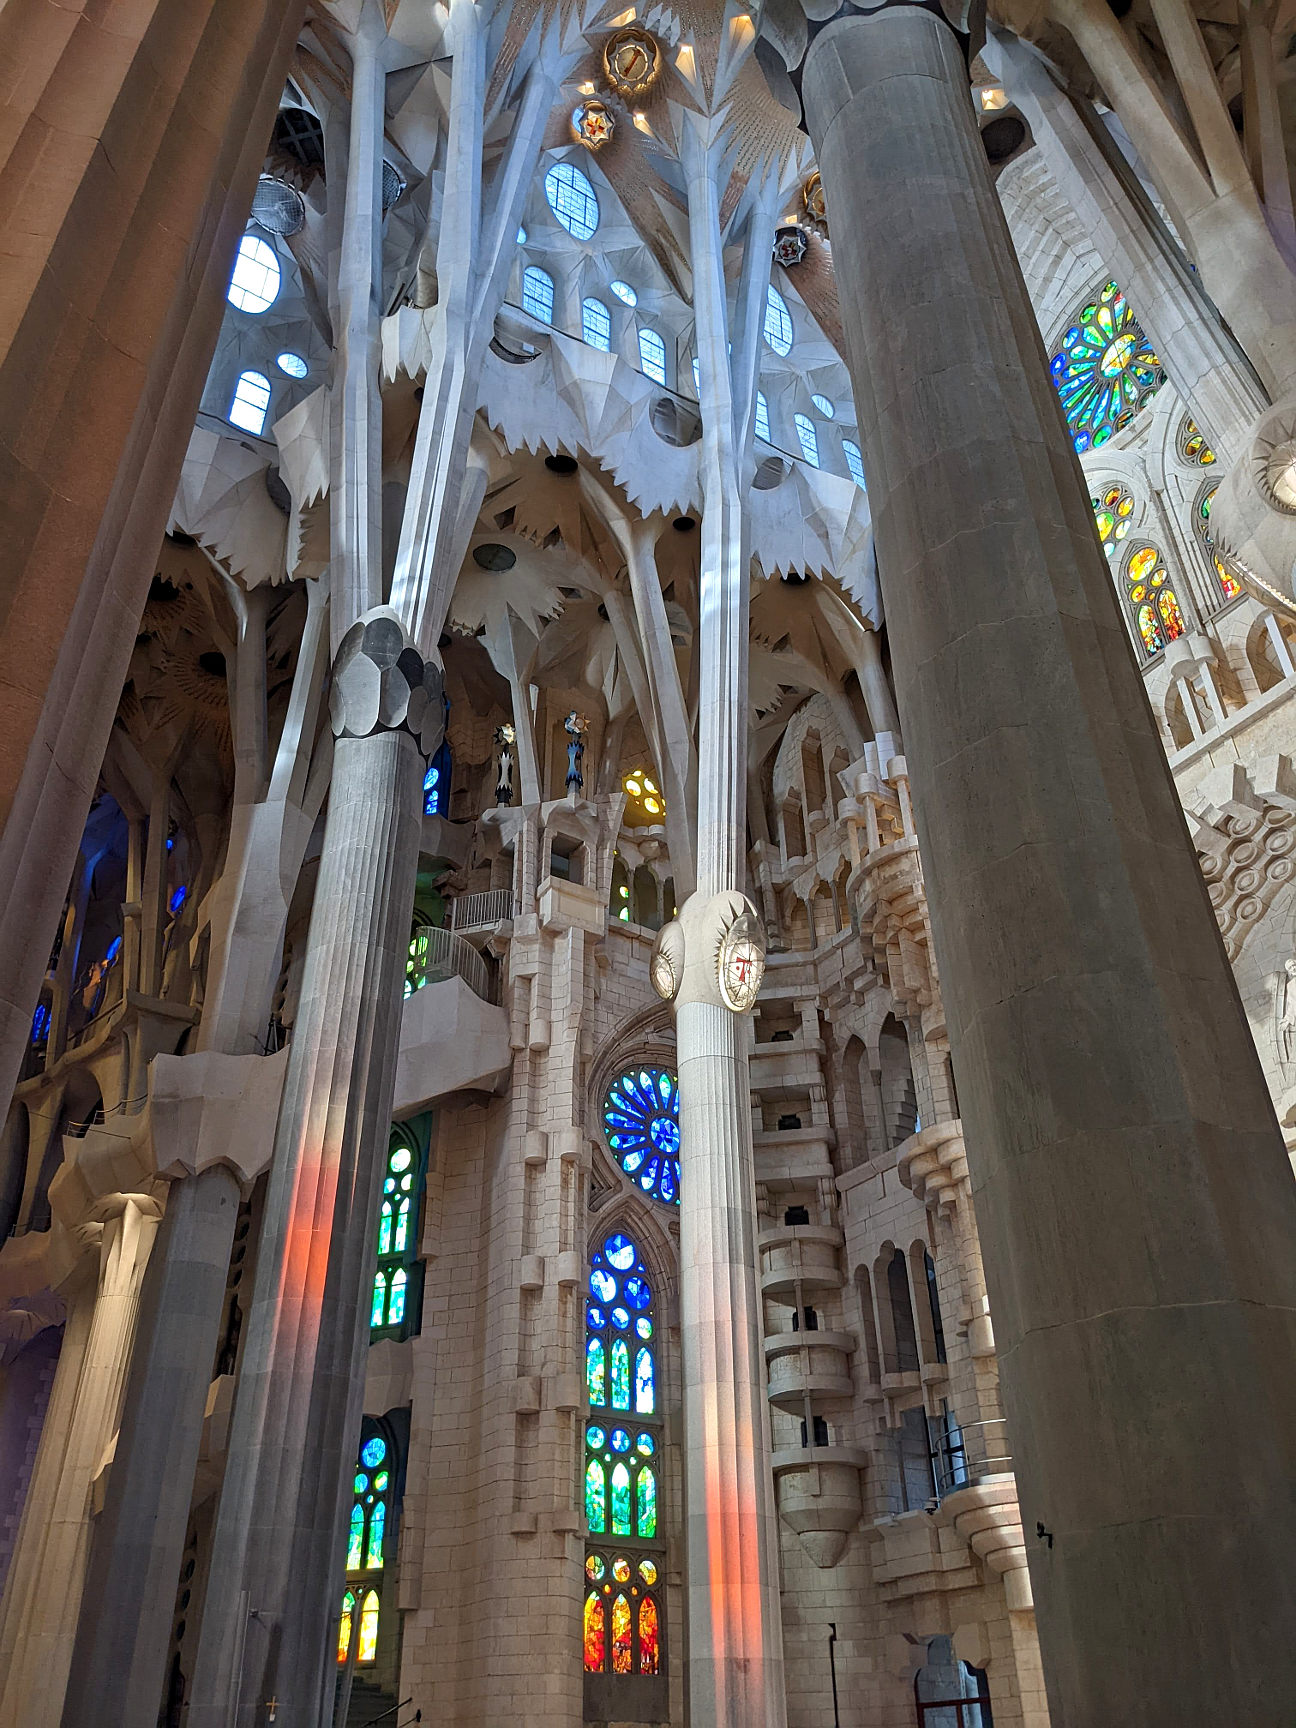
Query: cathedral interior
(648, 864)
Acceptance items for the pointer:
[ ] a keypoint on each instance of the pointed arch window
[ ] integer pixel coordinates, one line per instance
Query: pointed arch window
(623, 1437)
(652, 355)
(1152, 601)
(538, 293)
(395, 1306)
(1230, 587)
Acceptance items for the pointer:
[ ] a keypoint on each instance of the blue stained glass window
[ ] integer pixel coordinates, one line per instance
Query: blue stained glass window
(373, 1452)
(778, 322)
(397, 1280)
(644, 1382)
(436, 782)
(620, 1357)
(595, 1497)
(641, 1120)
(1104, 369)
(538, 293)
(40, 1024)
(596, 324)
(572, 199)
(369, 1525)
(595, 1372)
(762, 417)
(854, 461)
(178, 899)
(652, 356)
(374, 1547)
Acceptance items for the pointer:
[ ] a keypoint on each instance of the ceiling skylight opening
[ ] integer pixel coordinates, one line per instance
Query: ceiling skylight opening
(257, 276)
(572, 199)
(624, 291)
(778, 322)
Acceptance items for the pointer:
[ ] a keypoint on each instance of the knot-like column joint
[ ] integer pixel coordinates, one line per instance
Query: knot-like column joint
(381, 683)
(713, 951)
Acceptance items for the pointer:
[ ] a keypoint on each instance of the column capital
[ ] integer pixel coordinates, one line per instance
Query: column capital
(381, 683)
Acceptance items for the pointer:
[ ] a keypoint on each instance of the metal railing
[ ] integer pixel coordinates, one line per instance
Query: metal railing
(965, 1454)
(481, 911)
(436, 955)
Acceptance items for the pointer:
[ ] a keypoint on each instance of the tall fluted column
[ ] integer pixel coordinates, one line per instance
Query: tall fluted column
(1136, 1209)
(276, 1547)
(735, 1650)
(49, 1569)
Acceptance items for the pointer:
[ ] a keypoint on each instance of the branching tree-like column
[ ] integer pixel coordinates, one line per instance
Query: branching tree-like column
(735, 1643)
(1135, 1203)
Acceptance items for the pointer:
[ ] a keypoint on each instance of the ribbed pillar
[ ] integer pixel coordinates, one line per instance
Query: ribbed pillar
(49, 1570)
(276, 1548)
(1136, 1207)
(119, 1661)
(735, 1649)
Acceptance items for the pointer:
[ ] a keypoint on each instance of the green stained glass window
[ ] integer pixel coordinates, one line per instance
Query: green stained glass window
(374, 1546)
(620, 1500)
(355, 1540)
(620, 1374)
(595, 1371)
(644, 1377)
(1104, 369)
(595, 1497)
(646, 1502)
(398, 1284)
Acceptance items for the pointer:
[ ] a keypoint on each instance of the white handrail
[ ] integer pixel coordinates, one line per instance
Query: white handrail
(481, 911)
(436, 955)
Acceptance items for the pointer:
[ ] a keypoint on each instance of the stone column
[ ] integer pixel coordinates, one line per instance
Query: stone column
(1207, 366)
(735, 1649)
(1136, 1208)
(280, 1526)
(48, 1573)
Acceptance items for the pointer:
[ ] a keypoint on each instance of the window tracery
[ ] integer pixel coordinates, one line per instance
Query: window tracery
(652, 355)
(1192, 445)
(368, 1536)
(250, 403)
(809, 438)
(1104, 369)
(641, 1120)
(1112, 510)
(397, 1282)
(538, 293)
(623, 1614)
(778, 322)
(256, 279)
(1229, 584)
(854, 460)
(572, 199)
(762, 417)
(1152, 599)
(596, 324)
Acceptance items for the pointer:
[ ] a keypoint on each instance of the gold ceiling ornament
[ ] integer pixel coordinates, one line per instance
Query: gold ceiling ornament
(592, 123)
(812, 200)
(632, 60)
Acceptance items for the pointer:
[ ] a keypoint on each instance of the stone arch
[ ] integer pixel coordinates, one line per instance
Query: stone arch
(899, 1092)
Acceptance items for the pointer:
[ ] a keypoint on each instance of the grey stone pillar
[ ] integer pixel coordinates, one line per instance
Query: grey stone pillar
(1136, 1208)
(277, 1547)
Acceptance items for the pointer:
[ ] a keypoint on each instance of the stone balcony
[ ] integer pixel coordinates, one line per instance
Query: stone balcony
(814, 1364)
(820, 1496)
(800, 1254)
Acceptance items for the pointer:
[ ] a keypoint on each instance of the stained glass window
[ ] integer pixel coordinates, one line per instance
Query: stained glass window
(1112, 512)
(436, 782)
(572, 199)
(622, 1611)
(1152, 599)
(854, 461)
(652, 356)
(538, 293)
(368, 1536)
(397, 1281)
(778, 322)
(250, 403)
(1192, 446)
(762, 417)
(1104, 369)
(1229, 584)
(809, 438)
(641, 1121)
(596, 324)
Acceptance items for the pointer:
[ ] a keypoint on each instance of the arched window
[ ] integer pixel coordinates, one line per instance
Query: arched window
(596, 324)
(572, 199)
(778, 322)
(1104, 369)
(762, 417)
(623, 1614)
(250, 403)
(1229, 584)
(1152, 600)
(652, 355)
(854, 461)
(398, 1280)
(1112, 513)
(292, 364)
(902, 1317)
(949, 1693)
(369, 1543)
(1192, 446)
(645, 804)
(641, 1120)
(538, 293)
(255, 282)
(809, 438)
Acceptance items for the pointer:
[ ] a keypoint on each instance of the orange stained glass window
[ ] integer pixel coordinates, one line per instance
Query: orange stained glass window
(367, 1650)
(344, 1626)
(621, 1663)
(648, 1647)
(1152, 599)
(594, 1633)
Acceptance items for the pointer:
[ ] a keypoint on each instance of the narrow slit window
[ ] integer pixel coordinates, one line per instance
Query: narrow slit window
(762, 417)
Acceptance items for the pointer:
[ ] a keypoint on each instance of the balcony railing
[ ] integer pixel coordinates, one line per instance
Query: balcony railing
(436, 955)
(482, 911)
